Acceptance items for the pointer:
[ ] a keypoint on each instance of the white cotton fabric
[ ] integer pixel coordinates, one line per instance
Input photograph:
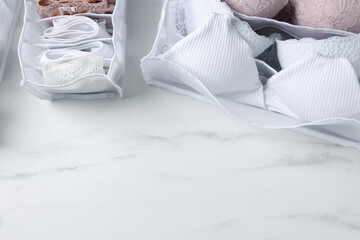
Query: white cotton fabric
(75, 29)
(61, 55)
(318, 94)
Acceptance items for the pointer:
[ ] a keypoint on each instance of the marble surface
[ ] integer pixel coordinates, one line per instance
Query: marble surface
(157, 166)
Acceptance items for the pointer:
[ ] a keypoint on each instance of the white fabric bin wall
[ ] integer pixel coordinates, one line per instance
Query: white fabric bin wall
(9, 15)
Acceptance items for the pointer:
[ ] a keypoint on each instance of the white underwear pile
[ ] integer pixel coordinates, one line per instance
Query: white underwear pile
(61, 55)
(75, 30)
(76, 56)
(268, 73)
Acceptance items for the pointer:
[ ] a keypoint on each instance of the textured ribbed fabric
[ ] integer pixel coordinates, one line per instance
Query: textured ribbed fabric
(221, 59)
(185, 16)
(314, 89)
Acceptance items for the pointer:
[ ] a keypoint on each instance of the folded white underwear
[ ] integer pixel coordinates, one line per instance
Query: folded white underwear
(75, 29)
(61, 55)
(56, 74)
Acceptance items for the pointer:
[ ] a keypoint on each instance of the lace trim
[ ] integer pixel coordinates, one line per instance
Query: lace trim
(50, 8)
(260, 8)
(292, 51)
(331, 14)
(176, 17)
(257, 42)
(342, 15)
(56, 74)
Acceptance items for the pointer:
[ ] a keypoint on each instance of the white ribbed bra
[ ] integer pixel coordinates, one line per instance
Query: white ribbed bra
(318, 81)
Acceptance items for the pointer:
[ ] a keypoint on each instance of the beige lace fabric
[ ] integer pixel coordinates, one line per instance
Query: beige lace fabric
(332, 14)
(50, 8)
(260, 8)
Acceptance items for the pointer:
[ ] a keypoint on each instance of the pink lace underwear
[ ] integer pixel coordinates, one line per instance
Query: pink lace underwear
(50, 8)
(260, 8)
(334, 14)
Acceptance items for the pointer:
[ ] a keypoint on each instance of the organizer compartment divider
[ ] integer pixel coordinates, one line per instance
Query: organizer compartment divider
(87, 87)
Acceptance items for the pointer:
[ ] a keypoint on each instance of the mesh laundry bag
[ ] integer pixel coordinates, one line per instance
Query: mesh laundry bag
(88, 41)
(265, 72)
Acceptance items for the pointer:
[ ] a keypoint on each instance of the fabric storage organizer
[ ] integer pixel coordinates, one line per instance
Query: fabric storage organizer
(176, 58)
(9, 14)
(91, 86)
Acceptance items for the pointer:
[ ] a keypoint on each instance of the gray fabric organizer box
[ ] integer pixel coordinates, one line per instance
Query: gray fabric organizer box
(89, 87)
(163, 73)
(9, 15)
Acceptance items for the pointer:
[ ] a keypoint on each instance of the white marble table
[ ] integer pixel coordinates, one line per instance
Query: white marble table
(158, 166)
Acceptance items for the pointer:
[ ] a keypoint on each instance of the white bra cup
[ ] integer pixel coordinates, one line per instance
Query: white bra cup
(198, 13)
(61, 55)
(221, 59)
(75, 29)
(314, 89)
(291, 51)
